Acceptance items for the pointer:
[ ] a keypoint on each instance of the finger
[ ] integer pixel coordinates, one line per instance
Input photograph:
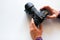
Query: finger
(40, 27)
(32, 21)
(51, 16)
(32, 24)
(47, 8)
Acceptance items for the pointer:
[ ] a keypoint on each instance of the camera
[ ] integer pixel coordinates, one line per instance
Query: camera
(38, 16)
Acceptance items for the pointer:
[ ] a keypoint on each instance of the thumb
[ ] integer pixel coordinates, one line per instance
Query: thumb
(51, 16)
(32, 24)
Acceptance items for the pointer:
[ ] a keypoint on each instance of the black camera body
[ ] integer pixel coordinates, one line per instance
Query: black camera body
(38, 16)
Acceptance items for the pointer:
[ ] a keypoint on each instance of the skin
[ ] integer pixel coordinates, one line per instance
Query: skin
(37, 32)
(54, 13)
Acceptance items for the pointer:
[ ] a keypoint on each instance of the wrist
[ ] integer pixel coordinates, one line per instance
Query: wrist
(39, 38)
(58, 15)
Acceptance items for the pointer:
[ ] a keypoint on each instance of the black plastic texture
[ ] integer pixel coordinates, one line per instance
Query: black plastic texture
(38, 16)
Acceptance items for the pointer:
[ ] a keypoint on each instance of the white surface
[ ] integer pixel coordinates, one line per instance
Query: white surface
(14, 24)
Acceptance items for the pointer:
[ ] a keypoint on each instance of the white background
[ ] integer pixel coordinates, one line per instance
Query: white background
(14, 24)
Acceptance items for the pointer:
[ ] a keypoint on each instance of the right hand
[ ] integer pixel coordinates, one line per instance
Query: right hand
(35, 32)
(54, 13)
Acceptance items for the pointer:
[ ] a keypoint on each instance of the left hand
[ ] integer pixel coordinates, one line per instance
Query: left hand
(54, 13)
(35, 32)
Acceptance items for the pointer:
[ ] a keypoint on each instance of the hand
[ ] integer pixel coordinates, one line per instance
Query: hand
(35, 32)
(54, 13)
